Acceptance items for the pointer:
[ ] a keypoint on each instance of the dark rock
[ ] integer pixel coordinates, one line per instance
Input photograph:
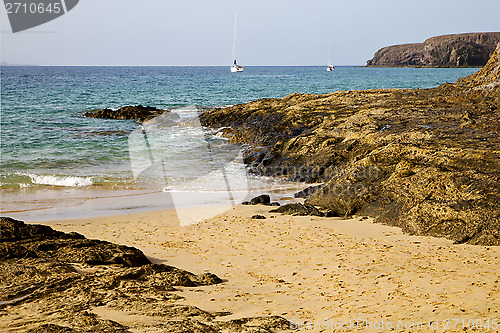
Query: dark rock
(460, 50)
(258, 217)
(275, 204)
(13, 230)
(139, 112)
(426, 160)
(261, 199)
(330, 213)
(20, 240)
(298, 209)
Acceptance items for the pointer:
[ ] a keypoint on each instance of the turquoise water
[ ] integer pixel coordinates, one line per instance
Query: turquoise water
(46, 141)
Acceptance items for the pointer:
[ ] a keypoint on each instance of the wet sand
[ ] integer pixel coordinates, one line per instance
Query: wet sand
(319, 273)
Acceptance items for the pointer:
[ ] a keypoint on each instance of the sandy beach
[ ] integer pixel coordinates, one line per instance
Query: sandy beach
(321, 274)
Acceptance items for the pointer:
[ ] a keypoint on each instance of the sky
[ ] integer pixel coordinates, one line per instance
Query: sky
(270, 32)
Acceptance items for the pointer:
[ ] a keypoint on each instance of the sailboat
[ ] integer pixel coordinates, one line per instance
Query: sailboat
(330, 66)
(235, 67)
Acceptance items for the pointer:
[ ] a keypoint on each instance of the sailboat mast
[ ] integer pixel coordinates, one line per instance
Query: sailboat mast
(234, 40)
(235, 68)
(330, 54)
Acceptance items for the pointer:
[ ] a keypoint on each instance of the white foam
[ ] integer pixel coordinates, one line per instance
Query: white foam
(218, 134)
(69, 181)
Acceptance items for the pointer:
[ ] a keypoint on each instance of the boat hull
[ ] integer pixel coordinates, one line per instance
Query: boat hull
(236, 69)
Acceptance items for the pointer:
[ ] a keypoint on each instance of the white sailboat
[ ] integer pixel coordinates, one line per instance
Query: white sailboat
(235, 68)
(330, 67)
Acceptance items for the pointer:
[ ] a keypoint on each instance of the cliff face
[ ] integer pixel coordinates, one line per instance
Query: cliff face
(426, 160)
(485, 84)
(460, 50)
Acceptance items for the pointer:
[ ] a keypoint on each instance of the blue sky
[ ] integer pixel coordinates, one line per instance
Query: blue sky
(271, 32)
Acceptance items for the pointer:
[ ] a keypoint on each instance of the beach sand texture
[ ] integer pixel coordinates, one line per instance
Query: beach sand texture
(315, 272)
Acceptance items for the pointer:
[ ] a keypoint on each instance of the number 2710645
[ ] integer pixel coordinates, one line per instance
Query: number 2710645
(33, 8)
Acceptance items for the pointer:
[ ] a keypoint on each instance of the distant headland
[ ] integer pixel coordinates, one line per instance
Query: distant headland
(459, 50)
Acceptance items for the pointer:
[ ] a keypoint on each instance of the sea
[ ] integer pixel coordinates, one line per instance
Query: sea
(58, 164)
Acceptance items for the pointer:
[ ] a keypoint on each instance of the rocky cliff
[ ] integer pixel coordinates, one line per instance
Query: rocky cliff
(460, 50)
(426, 160)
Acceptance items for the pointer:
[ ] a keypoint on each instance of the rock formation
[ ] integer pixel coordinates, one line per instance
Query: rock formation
(21, 240)
(139, 112)
(460, 50)
(298, 209)
(426, 160)
(51, 281)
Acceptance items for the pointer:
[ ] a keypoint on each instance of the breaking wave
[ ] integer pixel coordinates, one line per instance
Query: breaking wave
(69, 181)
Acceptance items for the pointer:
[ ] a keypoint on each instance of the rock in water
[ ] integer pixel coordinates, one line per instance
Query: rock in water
(459, 50)
(139, 112)
(426, 160)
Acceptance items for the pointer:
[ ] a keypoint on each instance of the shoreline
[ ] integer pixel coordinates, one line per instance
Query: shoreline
(64, 203)
(307, 268)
